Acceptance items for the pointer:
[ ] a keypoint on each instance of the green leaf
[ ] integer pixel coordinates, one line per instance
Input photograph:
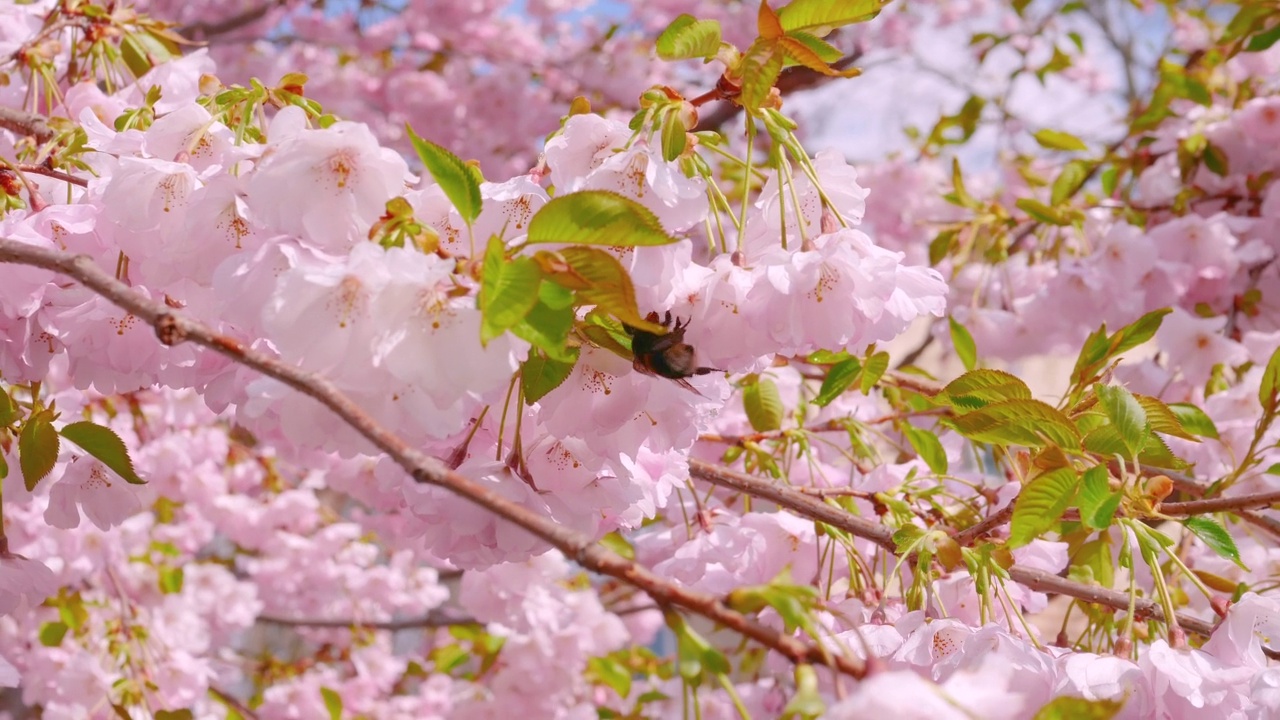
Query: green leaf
(540, 375)
(812, 14)
(1139, 331)
(873, 368)
(170, 580)
(454, 177)
(1163, 419)
(103, 444)
(508, 290)
(182, 714)
(1126, 415)
(763, 405)
(825, 51)
(597, 217)
(1216, 537)
(1031, 423)
(688, 37)
(332, 703)
(978, 388)
(51, 633)
(1269, 390)
(839, 378)
(600, 280)
(1040, 504)
(1193, 420)
(928, 447)
(1110, 177)
(9, 410)
(761, 67)
(611, 673)
(547, 329)
(1097, 502)
(1263, 40)
(674, 137)
(1041, 212)
(1076, 708)
(37, 448)
(962, 341)
(1069, 181)
(1058, 140)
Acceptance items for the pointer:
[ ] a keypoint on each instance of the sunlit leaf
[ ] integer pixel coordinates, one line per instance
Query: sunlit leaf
(452, 174)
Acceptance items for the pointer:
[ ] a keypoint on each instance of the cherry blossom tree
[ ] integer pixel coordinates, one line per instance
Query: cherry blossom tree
(456, 359)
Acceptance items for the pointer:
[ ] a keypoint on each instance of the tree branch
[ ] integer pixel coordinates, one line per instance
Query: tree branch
(25, 123)
(883, 537)
(174, 328)
(1221, 504)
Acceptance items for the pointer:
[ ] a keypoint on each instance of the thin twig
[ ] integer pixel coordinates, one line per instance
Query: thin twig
(174, 328)
(231, 702)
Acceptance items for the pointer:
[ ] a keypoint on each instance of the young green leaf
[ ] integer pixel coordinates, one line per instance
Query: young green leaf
(51, 633)
(839, 378)
(1058, 140)
(1069, 181)
(103, 444)
(1216, 537)
(1126, 415)
(1040, 504)
(540, 375)
(763, 404)
(596, 217)
(9, 410)
(1097, 502)
(37, 448)
(873, 368)
(1269, 390)
(508, 290)
(547, 329)
(1194, 420)
(332, 703)
(687, 37)
(1077, 708)
(814, 14)
(1031, 423)
(611, 673)
(978, 388)
(454, 177)
(962, 341)
(1139, 331)
(761, 67)
(928, 447)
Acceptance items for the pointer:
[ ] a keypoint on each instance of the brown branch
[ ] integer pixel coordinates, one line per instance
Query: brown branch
(1221, 504)
(25, 123)
(792, 499)
(1143, 607)
(174, 328)
(55, 174)
(883, 536)
(976, 532)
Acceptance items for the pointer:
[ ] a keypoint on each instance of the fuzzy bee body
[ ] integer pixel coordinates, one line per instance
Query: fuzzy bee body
(667, 356)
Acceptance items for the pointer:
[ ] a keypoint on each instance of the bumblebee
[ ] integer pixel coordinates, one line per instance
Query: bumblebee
(667, 356)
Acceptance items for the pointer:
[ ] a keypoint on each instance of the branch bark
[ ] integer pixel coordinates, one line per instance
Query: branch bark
(174, 328)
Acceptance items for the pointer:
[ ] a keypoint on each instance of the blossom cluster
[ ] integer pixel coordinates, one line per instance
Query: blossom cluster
(275, 564)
